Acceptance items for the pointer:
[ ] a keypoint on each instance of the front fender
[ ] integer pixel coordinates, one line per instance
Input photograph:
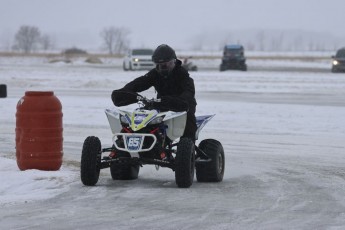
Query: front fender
(113, 116)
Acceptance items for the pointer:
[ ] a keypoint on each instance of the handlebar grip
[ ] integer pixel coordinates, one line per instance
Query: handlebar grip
(140, 98)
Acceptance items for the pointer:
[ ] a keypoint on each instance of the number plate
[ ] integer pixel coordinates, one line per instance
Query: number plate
(133, 143)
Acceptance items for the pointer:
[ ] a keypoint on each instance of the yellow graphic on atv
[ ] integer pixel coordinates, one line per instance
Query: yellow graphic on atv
(140, 119)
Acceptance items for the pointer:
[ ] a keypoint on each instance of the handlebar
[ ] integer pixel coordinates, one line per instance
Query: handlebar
(145, 100)
(167, 103)
(122, 98)
(147, 103)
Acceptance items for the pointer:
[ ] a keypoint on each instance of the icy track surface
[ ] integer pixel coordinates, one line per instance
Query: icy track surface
(283, 134)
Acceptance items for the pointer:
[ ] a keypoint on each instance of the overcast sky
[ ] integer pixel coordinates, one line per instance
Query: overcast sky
(176, 22)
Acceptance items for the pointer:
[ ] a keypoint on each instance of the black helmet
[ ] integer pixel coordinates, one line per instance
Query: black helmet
(163, 53)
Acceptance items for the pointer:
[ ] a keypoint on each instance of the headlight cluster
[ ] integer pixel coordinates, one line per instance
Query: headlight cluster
(157, 120)
(124, 120)
(135, 59)
(335, 62)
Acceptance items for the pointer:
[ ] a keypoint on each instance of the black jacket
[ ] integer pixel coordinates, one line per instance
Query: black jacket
(177, 93)
(177, 90)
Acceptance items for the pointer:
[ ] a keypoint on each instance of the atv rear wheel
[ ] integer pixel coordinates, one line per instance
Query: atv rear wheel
(90, 161)
(124, 171)
(185, 163)
(222, 67)
(211, 171)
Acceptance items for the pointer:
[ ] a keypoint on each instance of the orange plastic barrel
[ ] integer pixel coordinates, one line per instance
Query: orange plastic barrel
(39, 138)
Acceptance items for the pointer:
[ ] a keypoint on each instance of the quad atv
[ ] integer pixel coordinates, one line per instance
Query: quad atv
(147, 136)
(189, 65)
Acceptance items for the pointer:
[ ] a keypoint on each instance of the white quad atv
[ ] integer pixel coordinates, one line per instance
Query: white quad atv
(148, 136)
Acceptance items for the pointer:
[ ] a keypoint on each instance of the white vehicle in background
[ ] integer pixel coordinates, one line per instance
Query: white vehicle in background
(138, 59)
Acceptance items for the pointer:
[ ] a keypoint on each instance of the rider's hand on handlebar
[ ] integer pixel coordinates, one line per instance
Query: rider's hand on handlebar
(151, 104)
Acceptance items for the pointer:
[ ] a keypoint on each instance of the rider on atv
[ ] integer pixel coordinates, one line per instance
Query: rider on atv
(160, 132)
(172, 83)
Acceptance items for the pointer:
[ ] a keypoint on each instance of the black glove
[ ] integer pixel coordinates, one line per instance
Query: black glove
(149, 105)
(175, 104)
(122, 98)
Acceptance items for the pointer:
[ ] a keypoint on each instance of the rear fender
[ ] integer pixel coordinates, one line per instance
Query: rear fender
(176, 123)
(201, 121)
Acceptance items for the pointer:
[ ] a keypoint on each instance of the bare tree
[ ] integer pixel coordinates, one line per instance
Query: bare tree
(298, 43)
(6, 40)
(27, 38)
(261, 39)
(115, 39)
(46, 42)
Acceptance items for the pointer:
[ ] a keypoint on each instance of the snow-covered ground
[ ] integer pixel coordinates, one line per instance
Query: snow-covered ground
(283, 134)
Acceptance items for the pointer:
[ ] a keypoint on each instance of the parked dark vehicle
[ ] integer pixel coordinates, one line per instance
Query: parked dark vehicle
(338, 63)
(233, 58)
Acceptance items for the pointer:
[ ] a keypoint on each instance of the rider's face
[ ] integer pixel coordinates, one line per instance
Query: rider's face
(165, 67)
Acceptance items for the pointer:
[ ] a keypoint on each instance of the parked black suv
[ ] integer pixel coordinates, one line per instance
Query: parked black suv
(338, 63)
(233, 58)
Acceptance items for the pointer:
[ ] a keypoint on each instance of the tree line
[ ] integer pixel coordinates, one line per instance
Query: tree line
(115, 40)
(29, 39)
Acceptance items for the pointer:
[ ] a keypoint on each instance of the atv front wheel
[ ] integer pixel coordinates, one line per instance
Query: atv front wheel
(90, 161)
(124, 66)
(184, 163)
(211, 171)
(124, 171)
